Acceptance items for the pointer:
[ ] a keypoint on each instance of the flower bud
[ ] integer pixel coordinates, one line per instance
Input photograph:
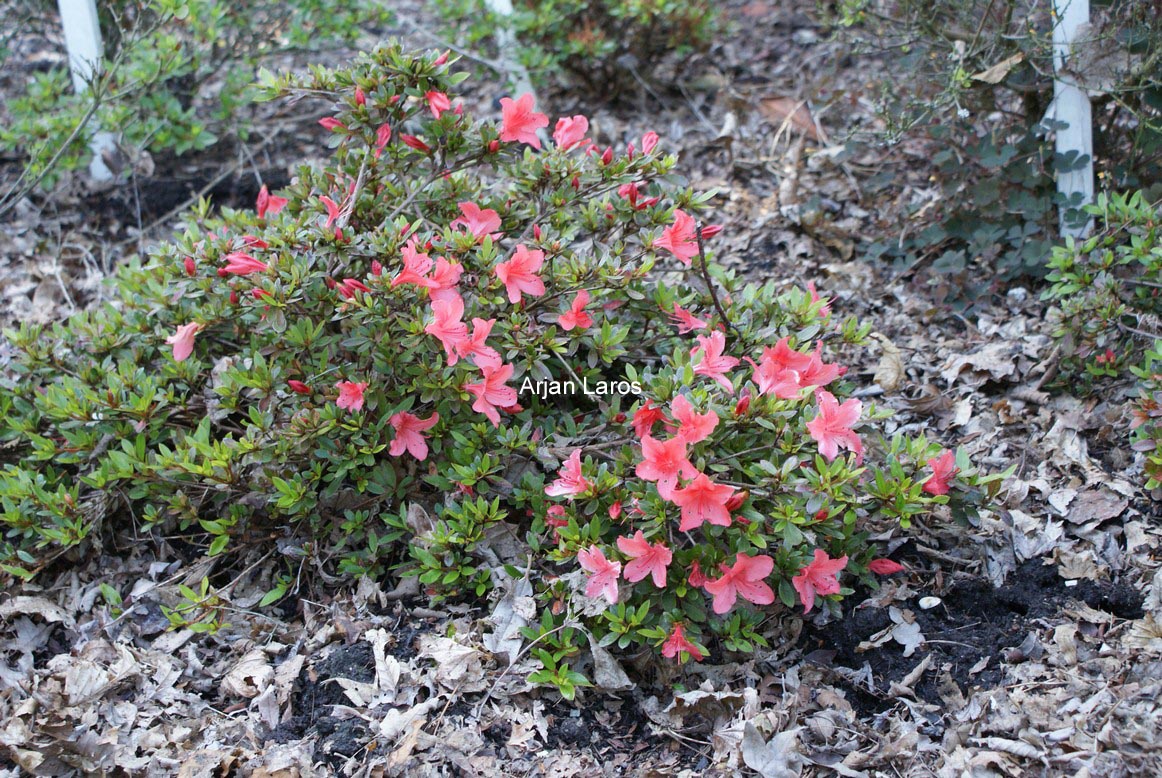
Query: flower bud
(191, 269)
(360, 98)
(298, 387)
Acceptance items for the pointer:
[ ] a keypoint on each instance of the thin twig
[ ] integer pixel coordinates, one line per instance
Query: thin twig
(706, 277)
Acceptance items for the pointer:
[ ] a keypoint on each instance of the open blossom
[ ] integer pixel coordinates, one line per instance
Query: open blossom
(492, 392)
(885, 566)
(784, 371)
(443, 280)
(832, 426)
(415, 267)
(519, 274)
(475, 348)
(702, 501)
(680, 238)
(677, 643)
(576, 317)
(268, 203)
(570, 132)
(713, 364)
(350, 395)
(944, 469)
(446, 325)
(570, 481)
(685, 321)
(481, 222)
(693, 427)
(663, 463)
(409, 437)
(820, 577)
(603, 573)
(183, 341)
(242, 264)
(744, 578)
(645, 417)
(519, 122)
(649, 559)
(438, 102)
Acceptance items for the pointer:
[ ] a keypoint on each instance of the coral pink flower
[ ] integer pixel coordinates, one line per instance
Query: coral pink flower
(446, 325)
(677, 643)
(415, 267)
(648, 559)
(693, 427)
(615, 510)
(438, 102)
(519, 122)
(409, 437)
(444, 280)
(663, 463)
(570, 481)
(685, 321)
(183, 341)
(382, 136)
(885, 566)
(350, 395)
(713, 364)
(818, 577)
(491, 393)
(519, 274)
(481, 222)
(943, 469)
(268, 203)
(576, 317)
(649, 140)
(603, 574)
(474, 347)
(645, 417)
(702, 501)
(243, 264)
(832, 426)
(744, 578)
(571, 132)
(680, 238)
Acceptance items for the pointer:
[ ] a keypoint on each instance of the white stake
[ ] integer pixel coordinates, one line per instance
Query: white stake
(83, 41)
(1071, 105)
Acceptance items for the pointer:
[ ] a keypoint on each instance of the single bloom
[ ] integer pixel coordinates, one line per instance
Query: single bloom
(446, 325)
(519, 274)
(685, 321)
(885, 566)
(645, 417)
(820, 576)
(663, 463)
(409, 437)
(944, 469)
(832, 426)
(492, 393)
(693, 427)
(438, 102)
(519, 122)
(713, 363)
(702, 501)
(576, 317)
(677, 643)
(603, 574)
(649, 559)
(242, 264)
(268, 203)
(571, 132)
(350, 395)
(570, 480)
(680, 238)
(744, 578)
(415, 267)
(183, 341)
(443, 280)
(481, 222)
(475, 348)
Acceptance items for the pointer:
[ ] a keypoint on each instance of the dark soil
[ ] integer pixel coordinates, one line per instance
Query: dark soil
(973, 620)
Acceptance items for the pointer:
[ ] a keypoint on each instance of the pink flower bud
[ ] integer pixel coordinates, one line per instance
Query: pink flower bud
(710, 230)
(360, 98)
(607, 155)
(376, 268)
(442, 59)
(493, 146)
(190, 267)
(234, 296)
(331, 123)
(537, 231)
(413, 142)
(649, 140)
(615, 510)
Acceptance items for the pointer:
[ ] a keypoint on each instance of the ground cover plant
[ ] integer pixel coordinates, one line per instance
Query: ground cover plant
(428, 325)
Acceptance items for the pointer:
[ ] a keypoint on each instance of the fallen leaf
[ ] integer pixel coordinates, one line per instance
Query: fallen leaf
(996, 74)
(778, 758)
(788, 111)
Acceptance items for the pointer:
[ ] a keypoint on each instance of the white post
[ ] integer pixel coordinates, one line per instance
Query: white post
(83, 41)
(1071, 105)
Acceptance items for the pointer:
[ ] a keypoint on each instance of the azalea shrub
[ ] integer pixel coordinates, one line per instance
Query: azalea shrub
(600, 44)
(455, 334)
(1109, 321)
